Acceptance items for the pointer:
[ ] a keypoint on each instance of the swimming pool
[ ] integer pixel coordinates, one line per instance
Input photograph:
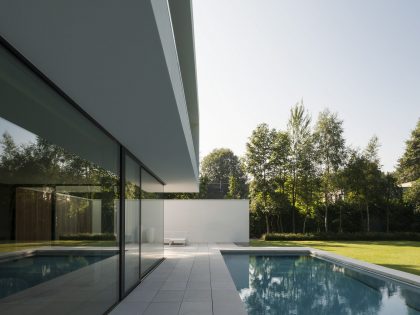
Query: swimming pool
(292, 284)
(22, 273)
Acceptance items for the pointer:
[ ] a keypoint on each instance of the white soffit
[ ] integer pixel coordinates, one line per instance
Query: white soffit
(118, 62)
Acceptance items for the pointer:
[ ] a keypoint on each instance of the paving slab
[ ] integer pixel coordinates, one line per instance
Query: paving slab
(192, 280)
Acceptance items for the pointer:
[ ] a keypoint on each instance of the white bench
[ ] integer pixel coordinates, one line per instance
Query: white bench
(175, 238)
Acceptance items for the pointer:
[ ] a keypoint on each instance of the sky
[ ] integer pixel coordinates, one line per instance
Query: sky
(257, 58)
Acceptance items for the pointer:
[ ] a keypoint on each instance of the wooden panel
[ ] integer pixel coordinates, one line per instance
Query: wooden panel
(33, 215)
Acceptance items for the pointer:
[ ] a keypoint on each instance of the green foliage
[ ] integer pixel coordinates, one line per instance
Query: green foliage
(259, 163)
(234, 188)
(308, 177)
(88, 237)
(330, 149)
(371, 152)
(219, 168)
(412, 196)
(408, 168)
(300, 161)
(373, 236)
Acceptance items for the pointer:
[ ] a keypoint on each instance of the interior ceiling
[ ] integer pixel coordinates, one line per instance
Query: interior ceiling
(109, 59)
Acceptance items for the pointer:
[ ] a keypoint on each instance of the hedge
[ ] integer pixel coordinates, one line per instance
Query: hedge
(373, 236)
(88, 237)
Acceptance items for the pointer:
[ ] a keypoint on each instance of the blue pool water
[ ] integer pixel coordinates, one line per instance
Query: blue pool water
(306, 285)
(22, 273)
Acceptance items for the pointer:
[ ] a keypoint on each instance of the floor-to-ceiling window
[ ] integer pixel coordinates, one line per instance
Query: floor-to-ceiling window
(60, 205)
(132, 223)
(151, 221)
(59, 186)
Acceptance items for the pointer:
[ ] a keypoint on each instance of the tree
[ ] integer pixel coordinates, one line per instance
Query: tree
(408, 168)
(308, 183)
(259, 164)
(373, 176)
(353, 178)
(364, 179)
(330, 146)
(219, 166)
(234, 190)
(392, 195)
(371, 151)
(280, 159)
(299, 135)
(412, 196)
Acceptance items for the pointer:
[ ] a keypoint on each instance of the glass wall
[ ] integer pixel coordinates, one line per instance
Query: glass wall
(132, 223)
(59, 185)
(151, 221)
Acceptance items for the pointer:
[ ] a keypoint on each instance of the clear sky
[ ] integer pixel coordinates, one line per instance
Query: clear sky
(257, 58)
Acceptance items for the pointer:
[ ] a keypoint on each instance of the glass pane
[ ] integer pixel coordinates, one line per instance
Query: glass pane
(132, 223)
(151, 222)
(58, 202)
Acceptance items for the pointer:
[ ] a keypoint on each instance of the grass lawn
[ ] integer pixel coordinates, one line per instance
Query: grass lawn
(401, 255)
(12, 247)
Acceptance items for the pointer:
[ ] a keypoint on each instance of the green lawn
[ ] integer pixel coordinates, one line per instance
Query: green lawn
(401, 255)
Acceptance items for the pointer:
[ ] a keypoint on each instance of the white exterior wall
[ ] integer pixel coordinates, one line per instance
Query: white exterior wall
(208, 220)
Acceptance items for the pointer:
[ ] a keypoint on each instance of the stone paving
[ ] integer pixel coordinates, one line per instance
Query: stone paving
(192, 280)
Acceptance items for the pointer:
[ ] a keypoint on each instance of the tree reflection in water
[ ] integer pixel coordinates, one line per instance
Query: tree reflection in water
(304, 285)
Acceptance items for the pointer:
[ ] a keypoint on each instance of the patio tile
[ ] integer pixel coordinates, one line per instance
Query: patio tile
(200, 277)
(225, 296)
(193, 295)
(169, 296)
(228, 308)
(198, 285)
(219, 284)
(162, 308)
(196, 308)
(174, 285)
(134, 308)
(193, 280)
(141, 295)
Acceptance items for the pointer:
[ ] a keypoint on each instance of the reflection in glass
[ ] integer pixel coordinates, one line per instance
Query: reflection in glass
(58, 189)
(305, 285)
(151, 222)
(132, 223)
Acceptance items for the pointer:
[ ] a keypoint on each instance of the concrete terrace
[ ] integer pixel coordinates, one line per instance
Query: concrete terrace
(192, 280)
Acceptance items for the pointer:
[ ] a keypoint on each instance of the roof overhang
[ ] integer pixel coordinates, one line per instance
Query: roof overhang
(119, 62)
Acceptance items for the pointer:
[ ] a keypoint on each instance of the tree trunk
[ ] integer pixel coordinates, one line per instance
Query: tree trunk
(293, 220)
(367, 218)
(280, 223)
(267, 223)
(293, 202)
(361, 217)
(326, 214)
(387, 218)
(318, 226)
(304, 224)
(340, 229)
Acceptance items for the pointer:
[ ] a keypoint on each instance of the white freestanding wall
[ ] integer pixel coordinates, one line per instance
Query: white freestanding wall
(208, 220)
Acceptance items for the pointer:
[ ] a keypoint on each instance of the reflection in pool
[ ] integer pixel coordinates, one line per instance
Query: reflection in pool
(22, 273)
(306, 285)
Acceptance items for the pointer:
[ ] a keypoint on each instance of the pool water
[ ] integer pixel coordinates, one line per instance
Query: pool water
(22, 273)
(307, 285)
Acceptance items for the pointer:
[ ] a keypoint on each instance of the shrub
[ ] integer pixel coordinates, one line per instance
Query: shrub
(88, 237)
(373, 236)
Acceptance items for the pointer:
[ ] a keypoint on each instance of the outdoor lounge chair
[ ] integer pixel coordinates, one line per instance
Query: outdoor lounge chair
(175, 238)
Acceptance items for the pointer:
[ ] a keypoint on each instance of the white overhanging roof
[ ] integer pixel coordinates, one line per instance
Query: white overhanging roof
(130, 65)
